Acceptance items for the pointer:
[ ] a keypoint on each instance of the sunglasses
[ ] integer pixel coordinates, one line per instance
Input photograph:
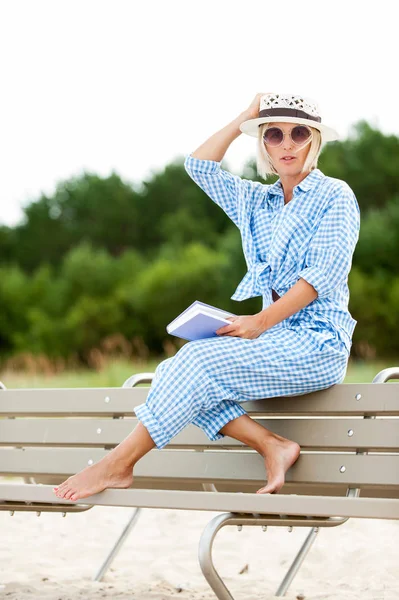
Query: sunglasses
(274, 136)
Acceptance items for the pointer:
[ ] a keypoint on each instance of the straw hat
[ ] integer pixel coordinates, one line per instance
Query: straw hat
(289, 108)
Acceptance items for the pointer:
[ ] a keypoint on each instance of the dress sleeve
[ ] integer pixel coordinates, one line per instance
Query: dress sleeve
(226, 190)
(328, 258)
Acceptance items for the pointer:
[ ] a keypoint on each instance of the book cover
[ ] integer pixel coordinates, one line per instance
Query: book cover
(198, 321)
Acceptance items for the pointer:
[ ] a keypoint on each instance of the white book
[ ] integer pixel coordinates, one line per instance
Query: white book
(199, 321)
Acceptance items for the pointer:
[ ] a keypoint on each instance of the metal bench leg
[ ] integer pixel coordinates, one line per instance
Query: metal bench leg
(240, 520)
(205, 555)
(130, 382)
(298, 560)
(117, 546)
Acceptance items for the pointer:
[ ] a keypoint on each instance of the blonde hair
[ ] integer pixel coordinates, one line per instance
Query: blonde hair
(264, 163)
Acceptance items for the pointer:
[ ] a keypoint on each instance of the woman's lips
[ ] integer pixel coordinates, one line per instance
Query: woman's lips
(288, 160)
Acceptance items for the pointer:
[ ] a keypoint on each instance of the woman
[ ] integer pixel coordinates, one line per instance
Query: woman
(298, 238)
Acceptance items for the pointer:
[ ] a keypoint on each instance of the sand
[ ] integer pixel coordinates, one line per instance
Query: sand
(55, 558)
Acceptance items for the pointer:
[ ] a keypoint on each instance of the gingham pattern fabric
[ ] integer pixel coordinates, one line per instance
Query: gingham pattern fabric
(206, 380)
(313, 237)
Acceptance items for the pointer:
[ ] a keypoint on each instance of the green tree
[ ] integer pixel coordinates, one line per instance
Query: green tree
(378, 245)
(368, 161)
(91, 209)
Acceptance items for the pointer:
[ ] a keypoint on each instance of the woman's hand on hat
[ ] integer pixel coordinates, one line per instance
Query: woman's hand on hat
(252, 111)
(244, 326)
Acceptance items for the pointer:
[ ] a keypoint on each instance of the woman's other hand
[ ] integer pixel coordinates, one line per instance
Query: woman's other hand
(252, 112)
(244, 326)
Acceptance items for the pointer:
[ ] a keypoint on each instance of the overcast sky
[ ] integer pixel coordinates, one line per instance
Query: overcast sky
(125, 85)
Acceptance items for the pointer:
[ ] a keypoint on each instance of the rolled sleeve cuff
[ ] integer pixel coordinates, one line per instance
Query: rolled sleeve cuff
(212, 423)
(317, 279)
(202, 165)
(214, 432)
(156, 432)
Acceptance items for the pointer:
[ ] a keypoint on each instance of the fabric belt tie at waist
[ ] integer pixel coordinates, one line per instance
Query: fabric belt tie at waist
(248, 287)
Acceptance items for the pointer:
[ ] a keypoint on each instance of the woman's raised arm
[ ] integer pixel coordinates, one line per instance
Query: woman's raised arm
(229, 191)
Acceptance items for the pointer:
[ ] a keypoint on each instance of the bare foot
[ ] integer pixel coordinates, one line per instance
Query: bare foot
(279, 455)
(107, 473)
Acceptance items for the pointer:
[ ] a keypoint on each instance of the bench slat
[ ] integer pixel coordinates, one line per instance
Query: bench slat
(211, 466)
(327, 434)
(375, 399)
(273, 504)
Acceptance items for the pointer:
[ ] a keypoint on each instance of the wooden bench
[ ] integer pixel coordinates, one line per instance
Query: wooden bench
(349, 464)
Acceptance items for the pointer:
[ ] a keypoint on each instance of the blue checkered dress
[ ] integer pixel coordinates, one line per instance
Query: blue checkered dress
(313, 236)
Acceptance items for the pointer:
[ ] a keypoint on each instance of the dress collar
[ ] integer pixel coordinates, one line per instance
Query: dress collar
(310, 181)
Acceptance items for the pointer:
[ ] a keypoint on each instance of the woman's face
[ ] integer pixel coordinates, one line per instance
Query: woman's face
(293, 166)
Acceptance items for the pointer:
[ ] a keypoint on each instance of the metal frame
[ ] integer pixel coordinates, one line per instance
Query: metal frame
(118, 545)
(206, 542)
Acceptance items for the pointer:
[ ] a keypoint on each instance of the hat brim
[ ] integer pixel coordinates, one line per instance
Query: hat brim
(251, 126)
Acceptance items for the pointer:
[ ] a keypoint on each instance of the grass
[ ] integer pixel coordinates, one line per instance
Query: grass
(115, 372)
(365, 371)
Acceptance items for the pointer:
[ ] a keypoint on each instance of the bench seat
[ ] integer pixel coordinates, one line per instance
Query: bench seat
(348, 467)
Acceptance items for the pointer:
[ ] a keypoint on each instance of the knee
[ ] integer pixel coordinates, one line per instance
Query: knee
(162, 367)
(190, 350)
(165, 364)
(205, 355)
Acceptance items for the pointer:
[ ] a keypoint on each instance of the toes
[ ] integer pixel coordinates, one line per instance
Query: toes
(272, 487)
(62, 487)
(268, 489)
(264, 491)
(74, 497)
(68, 494)
(65, 490)
(63, 493)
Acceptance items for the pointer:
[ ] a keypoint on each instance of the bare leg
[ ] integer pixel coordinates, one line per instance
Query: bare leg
(113, 471)
(116, 469)
(278, 453)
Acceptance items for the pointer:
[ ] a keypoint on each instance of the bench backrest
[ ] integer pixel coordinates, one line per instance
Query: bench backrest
(349, 435)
